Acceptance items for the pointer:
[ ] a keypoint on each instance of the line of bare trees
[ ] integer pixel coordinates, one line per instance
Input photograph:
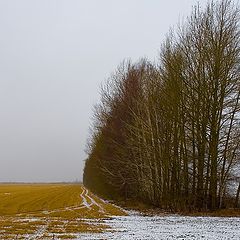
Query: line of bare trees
(169, 133)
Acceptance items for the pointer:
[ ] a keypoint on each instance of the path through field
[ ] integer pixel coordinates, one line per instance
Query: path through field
(65, 211)
(51, 211)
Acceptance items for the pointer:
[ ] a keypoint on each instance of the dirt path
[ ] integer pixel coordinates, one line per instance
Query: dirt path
(86, 198)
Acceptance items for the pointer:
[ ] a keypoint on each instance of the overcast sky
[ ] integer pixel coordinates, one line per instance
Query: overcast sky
(54, 55)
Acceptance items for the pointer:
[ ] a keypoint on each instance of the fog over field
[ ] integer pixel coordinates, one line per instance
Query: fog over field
(53, 57)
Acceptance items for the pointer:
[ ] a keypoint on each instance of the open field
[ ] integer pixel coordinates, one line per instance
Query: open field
(51, 211)
(70, 211)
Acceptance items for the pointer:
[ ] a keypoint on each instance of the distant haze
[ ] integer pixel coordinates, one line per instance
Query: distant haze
(53, 57)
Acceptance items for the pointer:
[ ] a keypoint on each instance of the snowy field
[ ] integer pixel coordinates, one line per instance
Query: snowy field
(136, 227)
(66, 211)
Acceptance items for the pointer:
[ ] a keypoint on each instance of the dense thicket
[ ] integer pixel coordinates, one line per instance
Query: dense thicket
(168, 134)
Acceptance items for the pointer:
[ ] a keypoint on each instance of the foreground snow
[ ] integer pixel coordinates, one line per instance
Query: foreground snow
(136, 227)
(72, 210)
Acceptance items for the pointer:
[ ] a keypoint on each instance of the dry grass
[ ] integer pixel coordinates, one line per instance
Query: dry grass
(230, 212)
(46, 210)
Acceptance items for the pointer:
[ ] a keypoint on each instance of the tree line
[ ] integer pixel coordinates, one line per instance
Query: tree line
(168, 133)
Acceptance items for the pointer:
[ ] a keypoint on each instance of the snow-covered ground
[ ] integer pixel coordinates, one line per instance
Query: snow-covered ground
(137, 227)
(88, 210)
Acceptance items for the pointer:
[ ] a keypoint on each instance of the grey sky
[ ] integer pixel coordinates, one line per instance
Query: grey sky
(53, 56)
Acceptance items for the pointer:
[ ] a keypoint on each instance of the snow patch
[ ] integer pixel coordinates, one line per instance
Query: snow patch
(135, 227)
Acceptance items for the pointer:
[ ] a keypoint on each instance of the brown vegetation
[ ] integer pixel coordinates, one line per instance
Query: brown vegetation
(168, 134)
(51, 211)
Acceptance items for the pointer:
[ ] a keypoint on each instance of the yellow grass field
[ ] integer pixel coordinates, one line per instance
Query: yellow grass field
(51, 211)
